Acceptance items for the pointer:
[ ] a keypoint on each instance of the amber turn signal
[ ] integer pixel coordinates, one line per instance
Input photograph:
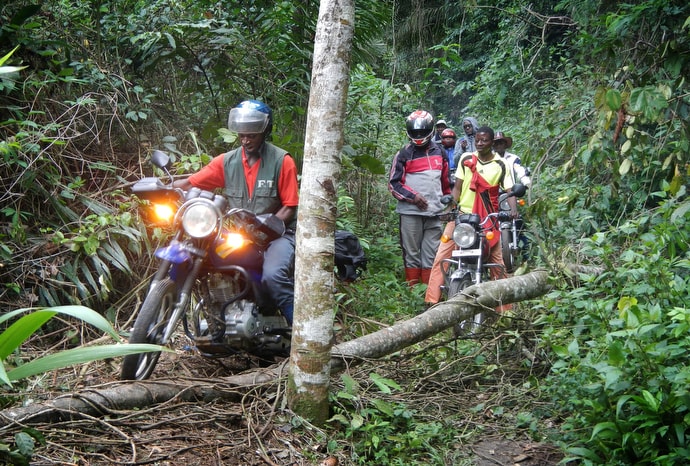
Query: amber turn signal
(163, 212)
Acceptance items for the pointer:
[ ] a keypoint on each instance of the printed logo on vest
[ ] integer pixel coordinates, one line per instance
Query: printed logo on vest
(265, 184)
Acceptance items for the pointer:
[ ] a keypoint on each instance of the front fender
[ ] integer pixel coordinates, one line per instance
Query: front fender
(174, 253)
(179, 258)
(460, 273)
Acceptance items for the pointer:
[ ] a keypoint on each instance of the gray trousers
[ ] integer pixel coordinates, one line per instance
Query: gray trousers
(419, 240)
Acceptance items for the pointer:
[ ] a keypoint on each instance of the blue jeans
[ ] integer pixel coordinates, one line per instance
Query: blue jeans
(278, 277)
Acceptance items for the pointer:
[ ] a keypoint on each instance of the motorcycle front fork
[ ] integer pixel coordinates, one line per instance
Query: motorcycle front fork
(512, 227)
(183, 298)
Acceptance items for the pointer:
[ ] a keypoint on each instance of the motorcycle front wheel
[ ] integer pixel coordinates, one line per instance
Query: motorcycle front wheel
(154, 314)
(466, 327)
(511, 255)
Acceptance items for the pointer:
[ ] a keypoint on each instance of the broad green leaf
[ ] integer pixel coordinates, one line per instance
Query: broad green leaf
(621, 402)
(79, 356)
(384, 384)
(651, 401)
(351, 384)
(611, 376)
(10, 69)
(80, 312)
(383, 406)
(561, 351)
(19, 331)
(604, 430)
(8, 55)
(613, 99)
(626, 147)
(616, 356)
(357, 421)
(625, 165)
(25, 444)
(667, 161)
(583, 453)
(375, 440)
(626, 302)
(649, 101)
(680, 211)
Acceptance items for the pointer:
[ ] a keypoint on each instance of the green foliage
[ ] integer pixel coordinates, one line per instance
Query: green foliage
(620, 372)
(19, 331)
(24, 448)
(383, 431)
(374, 131)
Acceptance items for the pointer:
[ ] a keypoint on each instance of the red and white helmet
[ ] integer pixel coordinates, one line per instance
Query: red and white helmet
(420, 127)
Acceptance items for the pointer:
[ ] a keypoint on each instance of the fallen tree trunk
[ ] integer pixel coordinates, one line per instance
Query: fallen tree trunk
(475, 299)
(109, 399)
(120, 396)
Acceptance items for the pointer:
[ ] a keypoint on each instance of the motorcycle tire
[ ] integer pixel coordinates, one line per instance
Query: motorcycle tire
(511, 256)
(154, 313)
(466, 327)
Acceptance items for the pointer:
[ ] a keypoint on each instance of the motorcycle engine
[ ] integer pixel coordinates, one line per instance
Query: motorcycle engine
(245, 326)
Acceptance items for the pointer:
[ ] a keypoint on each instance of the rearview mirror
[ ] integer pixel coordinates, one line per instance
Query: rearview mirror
(160, 159)
(519, 190)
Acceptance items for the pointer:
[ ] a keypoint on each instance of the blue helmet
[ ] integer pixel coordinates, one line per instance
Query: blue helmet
(251, 117)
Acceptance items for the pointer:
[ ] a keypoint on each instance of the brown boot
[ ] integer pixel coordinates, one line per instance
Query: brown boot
(425, 276)
(504, 308)
(412, 276)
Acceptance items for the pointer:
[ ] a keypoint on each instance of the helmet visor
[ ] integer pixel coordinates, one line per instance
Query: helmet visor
(418, 133)
(247, 121)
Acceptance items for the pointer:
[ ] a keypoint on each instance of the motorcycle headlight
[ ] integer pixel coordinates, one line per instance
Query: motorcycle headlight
(200, 219)
(464, 235)
(163, 212)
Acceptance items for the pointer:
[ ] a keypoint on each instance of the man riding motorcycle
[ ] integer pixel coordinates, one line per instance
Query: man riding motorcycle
(262, 178)
(479, 176)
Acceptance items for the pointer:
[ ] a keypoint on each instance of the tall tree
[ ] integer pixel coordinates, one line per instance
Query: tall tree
(312, 331)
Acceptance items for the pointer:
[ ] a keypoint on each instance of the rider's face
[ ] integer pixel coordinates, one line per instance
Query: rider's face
(251, 142)
(500, 146)
(483, 142)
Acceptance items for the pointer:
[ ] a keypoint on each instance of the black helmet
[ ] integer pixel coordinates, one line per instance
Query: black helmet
(420, 127)
(251, 117)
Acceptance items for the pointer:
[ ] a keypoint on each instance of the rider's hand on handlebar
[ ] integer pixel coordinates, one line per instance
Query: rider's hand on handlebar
(420, 202)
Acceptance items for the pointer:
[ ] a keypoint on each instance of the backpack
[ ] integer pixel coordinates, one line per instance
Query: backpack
(349, 256)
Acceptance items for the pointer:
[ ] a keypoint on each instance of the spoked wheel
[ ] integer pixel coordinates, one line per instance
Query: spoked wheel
(466, 327)
(154, 314)
(511, 255)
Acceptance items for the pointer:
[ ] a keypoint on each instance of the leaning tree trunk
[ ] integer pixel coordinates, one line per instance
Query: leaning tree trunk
(312, 330)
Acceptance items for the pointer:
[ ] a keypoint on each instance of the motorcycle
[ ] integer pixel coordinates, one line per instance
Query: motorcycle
(511, 231)
(469, 263)
(209, 278)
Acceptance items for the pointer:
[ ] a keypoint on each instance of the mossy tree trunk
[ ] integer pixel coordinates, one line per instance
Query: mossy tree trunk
(312, 330)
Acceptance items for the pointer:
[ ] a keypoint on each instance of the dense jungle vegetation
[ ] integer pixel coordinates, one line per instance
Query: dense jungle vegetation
(594, 94)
